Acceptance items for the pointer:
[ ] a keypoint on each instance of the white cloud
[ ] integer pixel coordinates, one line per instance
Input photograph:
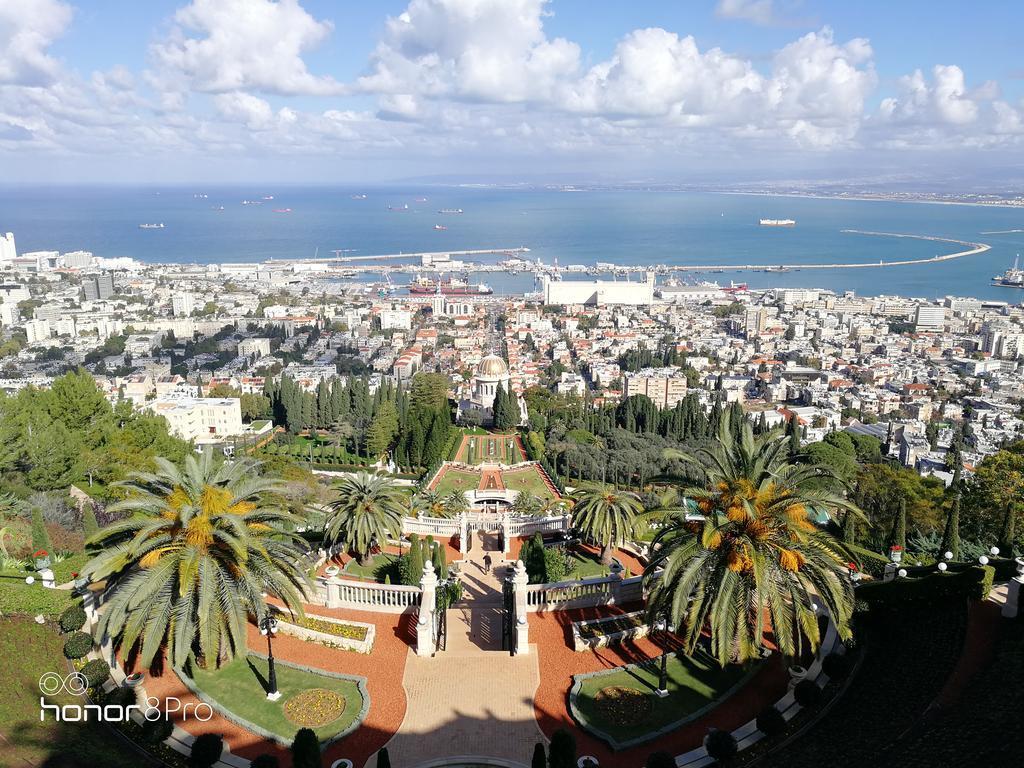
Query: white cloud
(945, 100)
(27, 28)
(757, 11)
(472, 50)
(244, 108)
(245, 44)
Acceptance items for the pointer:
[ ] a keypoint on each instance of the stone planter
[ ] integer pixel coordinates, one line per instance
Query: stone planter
(331, 571)
(796, 675)
(325, 638)
(581, 643)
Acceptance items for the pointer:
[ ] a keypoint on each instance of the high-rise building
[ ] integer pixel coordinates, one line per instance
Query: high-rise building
(8, 251)
(929, 318)
(664, 386)
(37, 330)
(76, 259)
(98, 287)
(182, 304)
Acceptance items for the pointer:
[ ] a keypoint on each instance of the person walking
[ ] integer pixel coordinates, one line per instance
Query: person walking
(487, 563)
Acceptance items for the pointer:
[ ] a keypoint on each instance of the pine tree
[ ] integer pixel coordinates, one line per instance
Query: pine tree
(306, 749)
(40, 536)
(89, 523)
(898, 537)
(951, 534)
(1008, 531)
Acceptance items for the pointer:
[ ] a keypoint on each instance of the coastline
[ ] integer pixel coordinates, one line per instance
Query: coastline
(865, 199)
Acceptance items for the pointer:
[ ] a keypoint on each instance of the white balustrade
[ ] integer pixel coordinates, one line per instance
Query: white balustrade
(367, 596)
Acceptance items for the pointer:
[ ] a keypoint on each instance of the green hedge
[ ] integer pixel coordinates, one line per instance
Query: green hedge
(973, 582)
(72, 619)
(21, 599)
(96, 672)
(77, 645)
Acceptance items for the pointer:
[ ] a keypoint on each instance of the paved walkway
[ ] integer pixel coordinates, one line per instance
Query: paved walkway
(472, 698)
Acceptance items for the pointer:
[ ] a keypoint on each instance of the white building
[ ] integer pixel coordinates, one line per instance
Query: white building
(490, 372)
(929, 318)
(202, 419)
(598, 292)
(37, 331)
(76, 259)
(250, 347)
(183, 304)
(399, 319)
(8, 251)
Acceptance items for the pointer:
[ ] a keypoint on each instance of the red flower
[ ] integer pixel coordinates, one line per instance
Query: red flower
(74, 574)
(41, 553)
(896, 548)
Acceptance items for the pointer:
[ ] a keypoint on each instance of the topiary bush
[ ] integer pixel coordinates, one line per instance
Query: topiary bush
(206, 750)
(771, 722)
(77, 645)
(72, 619)
(807, 693)
(836, 665)
(721, 745)
(96, 672)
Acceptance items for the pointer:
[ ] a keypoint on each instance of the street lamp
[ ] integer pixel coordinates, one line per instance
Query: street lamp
(661, 625)
(268, 627)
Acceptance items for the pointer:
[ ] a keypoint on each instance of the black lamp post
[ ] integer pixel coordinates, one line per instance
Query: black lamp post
(662, 626)
(268, 627)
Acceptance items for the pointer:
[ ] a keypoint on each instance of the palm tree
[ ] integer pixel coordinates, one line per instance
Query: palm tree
(368, 512)
(202, 544)
(606, 515)
(430, 503)
(454, 504)
(756, 563)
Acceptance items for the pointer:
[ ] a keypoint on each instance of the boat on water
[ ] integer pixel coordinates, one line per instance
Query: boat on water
(268, 197)
(736, 288)
(421, 200)
(282, 210)
(440, 227)
(252, 202)
(358, 197)
(450, 210)
(1011, 278)
(398, 208)
(777, 222)
(422, 286)
(152, 226)
(346, 273)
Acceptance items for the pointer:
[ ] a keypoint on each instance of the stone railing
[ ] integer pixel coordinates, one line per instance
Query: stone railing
(526, 526)
(366, 596)
(585, 593)
(431, 526)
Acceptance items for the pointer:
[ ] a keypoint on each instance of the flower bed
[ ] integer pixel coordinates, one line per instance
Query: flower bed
(334, 633)
(597, 633)
(314, 708)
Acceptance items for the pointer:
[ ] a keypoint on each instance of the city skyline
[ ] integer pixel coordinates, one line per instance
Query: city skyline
(520, 89)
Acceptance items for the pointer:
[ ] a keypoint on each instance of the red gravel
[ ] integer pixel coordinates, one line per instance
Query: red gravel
(551, 632)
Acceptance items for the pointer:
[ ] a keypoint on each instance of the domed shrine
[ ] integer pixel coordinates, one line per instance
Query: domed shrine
(490, 373)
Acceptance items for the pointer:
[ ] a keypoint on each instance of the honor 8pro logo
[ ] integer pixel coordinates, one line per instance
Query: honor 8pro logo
(51, 684)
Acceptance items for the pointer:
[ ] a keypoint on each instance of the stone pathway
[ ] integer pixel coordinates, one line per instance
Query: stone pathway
(471, 699)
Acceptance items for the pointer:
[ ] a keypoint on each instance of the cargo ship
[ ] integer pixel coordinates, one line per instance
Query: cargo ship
(152, 226)
(1011, 278)
(777, 222)
(450, 210)
(440, 227)
(455, 287)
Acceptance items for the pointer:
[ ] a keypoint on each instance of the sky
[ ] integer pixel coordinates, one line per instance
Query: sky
(684, 91)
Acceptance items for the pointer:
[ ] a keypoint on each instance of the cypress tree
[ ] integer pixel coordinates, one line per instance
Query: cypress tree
(849, 528)
(898, 537)
(1007, 535)
(562, 753)
(539, 759)
(89, 524)
(40, 536)
(951, 534)
(306, 749)
(415, 560)
(794, 436)
(383, 758)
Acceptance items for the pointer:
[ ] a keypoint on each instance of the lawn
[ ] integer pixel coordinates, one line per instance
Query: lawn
(238, 688)
(28, 651)
(501, 448)
(528, 480)
(457, 480)
(585, 565)
(694, 683)
(380, 566)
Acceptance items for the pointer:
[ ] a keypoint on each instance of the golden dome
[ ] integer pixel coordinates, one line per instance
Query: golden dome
(492, 365)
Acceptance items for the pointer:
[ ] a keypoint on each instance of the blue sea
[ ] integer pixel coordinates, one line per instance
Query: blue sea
(625, 227)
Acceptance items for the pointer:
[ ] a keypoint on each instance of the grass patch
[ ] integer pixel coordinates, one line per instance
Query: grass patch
(585, 565)
(380, 567)
(693, 684)
(239, 687)
(457, 480)
(21, 599)
(529, 481)
(28, 651)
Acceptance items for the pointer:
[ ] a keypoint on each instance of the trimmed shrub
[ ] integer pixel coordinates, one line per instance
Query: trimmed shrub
(96, 672)
(265, 761)
(77, 645)
(836, 665)
(206, 750)
(807, 693)
(72, 619)
(155, 731)
(306, 749)
(721, 745)
(562, 752)
(660, 760)
(771, 722)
